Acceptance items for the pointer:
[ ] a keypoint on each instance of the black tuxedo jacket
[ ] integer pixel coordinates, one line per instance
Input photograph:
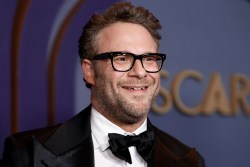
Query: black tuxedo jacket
(70, 145)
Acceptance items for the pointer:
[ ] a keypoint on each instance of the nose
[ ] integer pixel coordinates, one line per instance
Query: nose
(137, 70)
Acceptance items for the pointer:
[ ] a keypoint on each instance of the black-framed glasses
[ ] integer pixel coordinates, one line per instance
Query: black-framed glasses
(124, 61)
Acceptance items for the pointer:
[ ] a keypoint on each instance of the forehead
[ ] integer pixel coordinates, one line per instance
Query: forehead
(129, 37)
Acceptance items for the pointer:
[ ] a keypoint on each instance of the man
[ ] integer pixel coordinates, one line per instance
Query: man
(120, 63)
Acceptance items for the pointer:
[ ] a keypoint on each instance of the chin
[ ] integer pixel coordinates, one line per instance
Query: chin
(133, 118)
(140, 111)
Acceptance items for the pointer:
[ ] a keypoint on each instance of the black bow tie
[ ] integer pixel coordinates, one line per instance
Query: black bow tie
(143, 142)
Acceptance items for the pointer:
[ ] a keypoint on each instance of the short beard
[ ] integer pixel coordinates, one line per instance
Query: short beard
(116, 107)
(122, 111)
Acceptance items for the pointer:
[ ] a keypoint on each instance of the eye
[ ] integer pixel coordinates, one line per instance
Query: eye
(122, 58)
(150, 58)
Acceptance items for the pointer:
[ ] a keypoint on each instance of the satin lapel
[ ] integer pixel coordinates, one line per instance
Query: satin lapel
(70, 145)
(40, 153)
(71, 133)
(162, 156)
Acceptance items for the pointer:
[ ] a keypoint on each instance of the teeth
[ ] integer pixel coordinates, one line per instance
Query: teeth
(142, 88)
(138, 88)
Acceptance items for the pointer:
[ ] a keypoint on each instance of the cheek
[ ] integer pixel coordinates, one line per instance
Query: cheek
(116, 78)
(108, 78)
(157, 82)
(101, 71)
(156, 78)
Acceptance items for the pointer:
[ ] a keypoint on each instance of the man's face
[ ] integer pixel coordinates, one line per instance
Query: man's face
(124, 97)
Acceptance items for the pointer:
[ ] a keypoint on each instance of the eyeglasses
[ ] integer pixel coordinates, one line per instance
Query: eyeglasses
(124, 61)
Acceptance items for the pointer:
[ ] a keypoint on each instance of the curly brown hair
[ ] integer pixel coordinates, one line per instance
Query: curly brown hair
(118, 12)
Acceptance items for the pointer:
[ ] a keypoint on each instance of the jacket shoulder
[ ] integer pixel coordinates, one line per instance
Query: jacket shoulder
(22, 138)
(18, 147)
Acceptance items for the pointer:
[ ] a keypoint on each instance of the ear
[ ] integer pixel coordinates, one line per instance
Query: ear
(88, 71)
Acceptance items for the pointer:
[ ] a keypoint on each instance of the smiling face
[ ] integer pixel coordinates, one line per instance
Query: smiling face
(123, 97)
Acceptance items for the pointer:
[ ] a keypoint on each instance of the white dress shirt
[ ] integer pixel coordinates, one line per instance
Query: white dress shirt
(103, 157)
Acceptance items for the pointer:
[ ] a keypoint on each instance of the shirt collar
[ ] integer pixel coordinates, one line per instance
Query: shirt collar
(101, 126)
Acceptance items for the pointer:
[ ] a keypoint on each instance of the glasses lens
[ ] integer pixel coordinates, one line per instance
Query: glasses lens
(152, 63)
(122, 61)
